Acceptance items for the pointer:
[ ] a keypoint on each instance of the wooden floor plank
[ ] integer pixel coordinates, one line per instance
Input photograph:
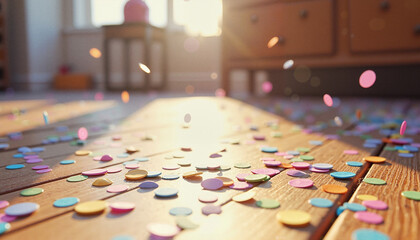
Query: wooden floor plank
(8, 107)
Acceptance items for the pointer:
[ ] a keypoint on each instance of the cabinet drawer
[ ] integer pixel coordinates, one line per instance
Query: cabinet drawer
(303, 28)
(384, 25)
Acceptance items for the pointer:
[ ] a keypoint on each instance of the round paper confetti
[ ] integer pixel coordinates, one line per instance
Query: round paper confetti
(374, 159)
(148, 185)
(296, 173)
(4, 204)
(65, 202)
(367, 79)
(82, 133)
(95, 172)
(244, 196)
(66, 162)
(191, 174)
(268, 203)
(180, 211)
(114, 169)
(207, 197)
(300, 165)
(121, 207)
(355, 207)
(21, 209)
(413, 195)
(366, 197)
(368, 234)
(212, 184)
(354, 164)
(170, 176)
(44, 170)
(321, 202)
(162, 230)
(328, 100)
(288, 64)
(166, 192)
(351, 152)
(342, 175)
(82, 153)
(242, 165)
(322, 166)
(14, 166)
(91, 207)
(117, 188)
(241, 185)
(403, 127)
(294, 218)
(77, 178)
(375, 204)
(226, 181)
(266, 171)
(185, 223)
(187, 118)
(369, 217)
(144, 68)
(256, 178)
(4, 227)
(374, 181)
(269, 149)
(135, 174)
(211, 209)
(31, 192)
(39, 167)
(332, 188)
(101, 182)
(301, 183)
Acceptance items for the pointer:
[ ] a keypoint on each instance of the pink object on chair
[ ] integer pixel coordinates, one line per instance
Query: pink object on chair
(136, 11)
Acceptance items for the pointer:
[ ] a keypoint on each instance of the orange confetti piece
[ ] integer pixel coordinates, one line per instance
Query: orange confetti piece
(125, 96)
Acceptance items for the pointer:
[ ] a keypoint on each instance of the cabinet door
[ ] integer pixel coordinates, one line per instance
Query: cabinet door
(302, 28)
(384, 25)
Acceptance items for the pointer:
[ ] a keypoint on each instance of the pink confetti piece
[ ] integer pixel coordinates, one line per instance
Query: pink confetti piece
(367, 79)
(403, 127)
(82, 133)
(369, 217)
(328, 100)
(267, 87)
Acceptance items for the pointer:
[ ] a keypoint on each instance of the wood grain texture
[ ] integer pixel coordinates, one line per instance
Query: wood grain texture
(7, 107)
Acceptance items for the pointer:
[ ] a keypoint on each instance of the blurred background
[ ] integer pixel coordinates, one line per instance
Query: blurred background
(286, 48)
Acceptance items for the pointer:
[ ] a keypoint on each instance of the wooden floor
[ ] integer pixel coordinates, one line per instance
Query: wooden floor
(159, 131)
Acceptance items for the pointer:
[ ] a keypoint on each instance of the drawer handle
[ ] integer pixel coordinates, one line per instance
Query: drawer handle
(385, 5)
(303, 13)
(417, 29)
(254, 19)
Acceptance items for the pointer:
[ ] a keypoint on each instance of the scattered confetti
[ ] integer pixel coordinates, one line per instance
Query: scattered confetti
(166, 192)
(125, 97)
(121, 207)
(273, 41)
(180, 211)
(21, 209)
(375, 204)
(328, 100)
(91, 207)
(301, 183)
(332, 188)
(374, 181)
(211, 209)
(65, 202)
(101, 182)
(294, 218)
(368, 234)
(413, 195)
(162, 230)
(403, 127)
(82, 133)
(95, 53)
(355, 207)
(369, 217)
(268, 203)
(117, 188)
(144, 68)
(212, 184)
(288, 64)
(267, 87)
(366, 197)
(367, 79)
(342, 175)
(374, 159)
(321, 202)
(31, 192)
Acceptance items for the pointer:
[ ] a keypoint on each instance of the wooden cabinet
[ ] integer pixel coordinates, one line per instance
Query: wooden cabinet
(249, 30)
(384, 25)
(263, 34)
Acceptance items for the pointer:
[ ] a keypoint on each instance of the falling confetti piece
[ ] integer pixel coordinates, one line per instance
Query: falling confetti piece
(45, 115)
(272, 42)
(82, 133)
(99, 96)
(288, 64)
(328, 100)
(95, 53)
(144, 68)
(267, 86)
(358, 114)
(403, 127)
(367, 79)
(125, 96)
(187, 118)
(338, 121)
(220, 92)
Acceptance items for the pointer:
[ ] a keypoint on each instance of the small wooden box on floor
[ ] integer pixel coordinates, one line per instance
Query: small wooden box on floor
(73, 82)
